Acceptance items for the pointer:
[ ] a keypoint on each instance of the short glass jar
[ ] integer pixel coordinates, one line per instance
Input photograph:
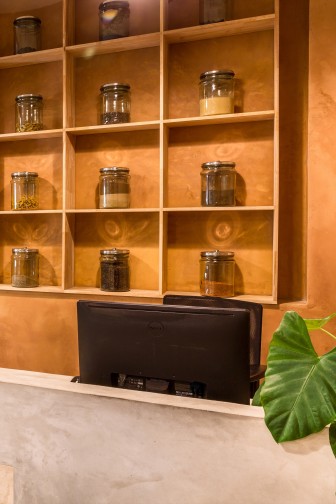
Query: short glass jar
(113, 20)
(217, 271)
(216, 92)
(213, 11)
(25, 267)
(28, 113)
(114, 187)
(24, 191)
(115, 103)
(114, 270)
(218, 183)
(27, 34)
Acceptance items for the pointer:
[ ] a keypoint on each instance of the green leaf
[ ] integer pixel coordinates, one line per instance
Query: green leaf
(299, 394)
(332, 437)
(256, 401)
(318, 323)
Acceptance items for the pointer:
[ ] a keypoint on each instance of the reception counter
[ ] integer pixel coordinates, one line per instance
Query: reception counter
(72, 443)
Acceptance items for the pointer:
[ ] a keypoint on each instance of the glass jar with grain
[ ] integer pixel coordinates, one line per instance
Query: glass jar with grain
(114, 270)
(218, 183)
(115, 103)
(114, 187)
(216, 92)
(24, 191)
(217, 272)
(113, 20)
(28, 113)
(27, 34)
(25, 267)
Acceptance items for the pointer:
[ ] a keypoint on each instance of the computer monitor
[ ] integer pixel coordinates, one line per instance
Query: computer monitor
(187, 351)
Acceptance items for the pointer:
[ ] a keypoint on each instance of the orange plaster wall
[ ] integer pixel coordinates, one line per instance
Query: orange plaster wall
(40, 332)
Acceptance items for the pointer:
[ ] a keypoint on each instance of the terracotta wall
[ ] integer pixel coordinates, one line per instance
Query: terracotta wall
(39, 332)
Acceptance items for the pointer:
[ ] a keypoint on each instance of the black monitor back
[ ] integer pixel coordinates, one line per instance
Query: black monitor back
(179, 344)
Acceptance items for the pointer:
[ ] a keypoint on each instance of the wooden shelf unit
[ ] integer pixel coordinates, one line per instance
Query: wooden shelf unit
(164, 146)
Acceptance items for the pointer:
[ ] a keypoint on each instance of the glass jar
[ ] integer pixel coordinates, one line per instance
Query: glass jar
(114, 187)
(216, 92)
(25, 267)
(217, 269)
(115, 103)
(213, 11)
(113, 20)
(27, 34)
(28, 113)
(24, 191)
(218, 183)
(114, 270)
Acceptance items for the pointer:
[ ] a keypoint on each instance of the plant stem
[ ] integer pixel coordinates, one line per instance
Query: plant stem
(330, 334)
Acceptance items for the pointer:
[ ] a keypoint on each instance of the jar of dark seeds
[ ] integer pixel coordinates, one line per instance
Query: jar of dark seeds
(115, 103)
(24, 191)
(113, 20)
(213, 11)
(114, 270)
(218, 183)
(217, 271)
(27, 34)
(114, 187)
(28, 112)
(25, 267)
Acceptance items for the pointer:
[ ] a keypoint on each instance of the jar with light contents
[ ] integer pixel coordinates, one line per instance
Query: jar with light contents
(217, 273)
(216, 92)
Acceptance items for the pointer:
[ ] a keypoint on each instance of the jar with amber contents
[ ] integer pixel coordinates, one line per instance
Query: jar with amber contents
(218, 183)
(25, 267)
(28, 113)
(216, 92)
(217, 271)
(24, 191)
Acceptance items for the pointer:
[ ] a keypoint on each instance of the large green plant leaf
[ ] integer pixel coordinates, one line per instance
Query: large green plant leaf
(299, 394)
(318, 323)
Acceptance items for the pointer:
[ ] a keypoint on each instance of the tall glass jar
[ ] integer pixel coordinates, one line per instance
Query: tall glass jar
(28, 112)
(114, 187)
(217, 270)
(115, 103)
(25, 267)
(216, 92)
(213, 11)
(114, 270)
(24, 191)
(218, 183)
(113, 20)
(27, 34)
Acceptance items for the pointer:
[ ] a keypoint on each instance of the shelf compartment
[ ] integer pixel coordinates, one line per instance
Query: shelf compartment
(90, 74)
(42, 156)
(111, 46)
(89, 233)
(51, 15)
(254, 69)
(227, 28)
(186, 14)
(41, 231)
(248, 234)
(250, 146)
(45, 79)
(83, 15)
(137, 150)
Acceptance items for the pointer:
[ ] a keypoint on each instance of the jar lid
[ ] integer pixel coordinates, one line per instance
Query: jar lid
(29, 96)
(24, 174)
(114, 252)
(23, 19)
(213, 165)
(115, 86)
(113, 5)
(24, 250)
(211, 74)
(114, 169)
(223, 255)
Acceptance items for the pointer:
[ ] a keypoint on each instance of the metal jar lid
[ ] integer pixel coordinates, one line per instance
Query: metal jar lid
(29, 96)
(115, 252)
(114, 86)
(212, 74)
(104, 6)
(24, 250)
(23, 19)
(24, 174)
(217, 165)
(222, 255)
(113, 169)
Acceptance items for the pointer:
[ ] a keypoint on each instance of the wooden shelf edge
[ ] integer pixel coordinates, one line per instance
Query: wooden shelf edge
(113, 128)
(111, 210)
(42, 288)
(263, 115)
(92, 49)
(32, 58)
(32, 135)
(223, 29)
(30, 212)
(97, 292)
(221, 209)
